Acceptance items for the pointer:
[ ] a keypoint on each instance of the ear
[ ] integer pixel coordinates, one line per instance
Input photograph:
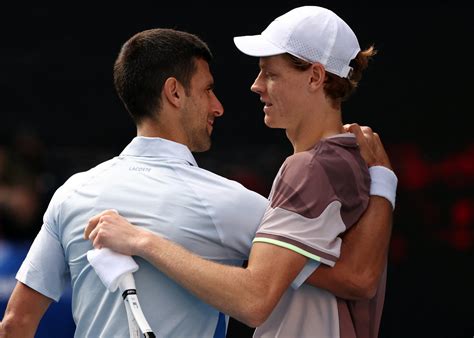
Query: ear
(318, 75)
(173, 91)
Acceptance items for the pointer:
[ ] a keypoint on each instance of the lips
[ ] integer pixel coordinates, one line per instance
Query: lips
(267, 104)
(267, 107)
(210, 124)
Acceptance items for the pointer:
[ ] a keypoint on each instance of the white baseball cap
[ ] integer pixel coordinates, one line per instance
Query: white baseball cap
(311, 33)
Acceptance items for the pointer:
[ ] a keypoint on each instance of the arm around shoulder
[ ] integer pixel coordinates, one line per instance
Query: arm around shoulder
(363, 258)
(364, 249)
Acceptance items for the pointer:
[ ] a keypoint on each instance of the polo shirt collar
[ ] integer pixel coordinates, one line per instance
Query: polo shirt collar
(343, 140)
(158, 147)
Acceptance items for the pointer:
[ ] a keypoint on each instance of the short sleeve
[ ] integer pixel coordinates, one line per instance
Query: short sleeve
(308, 269)
(230, 215)
(237, 213)
(44, 268)
(304, 213)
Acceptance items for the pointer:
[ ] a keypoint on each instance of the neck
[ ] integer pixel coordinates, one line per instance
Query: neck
(153, 128)
(316, 126)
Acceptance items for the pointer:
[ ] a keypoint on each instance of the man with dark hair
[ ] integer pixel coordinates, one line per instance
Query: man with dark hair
(163, 78)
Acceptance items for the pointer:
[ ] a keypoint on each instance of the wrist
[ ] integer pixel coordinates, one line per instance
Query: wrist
(385, 164)
(141, 243)
(383, 183)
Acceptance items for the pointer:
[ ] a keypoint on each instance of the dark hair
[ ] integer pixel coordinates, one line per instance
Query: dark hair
(150, 57)
(337, 88)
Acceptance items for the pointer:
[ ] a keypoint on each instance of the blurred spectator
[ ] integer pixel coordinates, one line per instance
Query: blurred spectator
(21, 170)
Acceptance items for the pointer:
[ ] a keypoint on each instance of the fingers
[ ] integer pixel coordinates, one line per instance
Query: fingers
(380, 153)
(371, 147)
(356, 129)
(94, 239)
(365, 139)
(98, 235)
(367, 130)
(95, 220)
(362, 133)
(351, 127)
(358, 132)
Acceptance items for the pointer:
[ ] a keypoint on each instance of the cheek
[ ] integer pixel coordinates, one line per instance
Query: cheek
(288, 94)
(280, 97)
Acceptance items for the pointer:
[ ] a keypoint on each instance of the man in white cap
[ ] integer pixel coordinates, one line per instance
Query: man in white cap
(310, 62)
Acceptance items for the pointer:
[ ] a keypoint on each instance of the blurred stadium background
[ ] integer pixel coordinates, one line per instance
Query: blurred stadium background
(60, 115)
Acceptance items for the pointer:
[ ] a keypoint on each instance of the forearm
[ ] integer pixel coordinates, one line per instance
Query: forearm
(248, 295)
(24, 311)
(363, 256)
(232, 290)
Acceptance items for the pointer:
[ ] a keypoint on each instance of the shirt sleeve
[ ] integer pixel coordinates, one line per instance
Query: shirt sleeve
(237, 213)
(309, 268)
(304, 213)
(44, 268)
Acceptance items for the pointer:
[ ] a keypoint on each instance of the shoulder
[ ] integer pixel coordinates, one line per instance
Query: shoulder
(301, 171)
(312, 179)
(214, 183)
(343, 164)
(302, 185)
(222, 194)
(78, 179)
(70, 186)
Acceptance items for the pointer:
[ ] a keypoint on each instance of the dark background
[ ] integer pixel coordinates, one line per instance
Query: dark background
(60, 115)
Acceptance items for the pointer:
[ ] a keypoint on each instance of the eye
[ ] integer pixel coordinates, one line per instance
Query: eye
(270, 75)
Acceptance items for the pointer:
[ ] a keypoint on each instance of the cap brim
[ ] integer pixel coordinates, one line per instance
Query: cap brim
(256, 45)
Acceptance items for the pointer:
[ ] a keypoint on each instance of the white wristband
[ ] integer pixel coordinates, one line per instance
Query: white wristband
(383, 183)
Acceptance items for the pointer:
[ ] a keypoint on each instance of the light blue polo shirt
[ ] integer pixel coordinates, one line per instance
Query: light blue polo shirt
(155, 184)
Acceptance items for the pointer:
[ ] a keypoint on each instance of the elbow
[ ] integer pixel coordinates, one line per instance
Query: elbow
(6, 326)
(365, 293)
(15, 325)
(364, 287)
(257, 300)
(255, 318)
(256, 313)
(9, 328)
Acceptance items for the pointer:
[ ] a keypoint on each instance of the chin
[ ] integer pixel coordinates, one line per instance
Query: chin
(269, 123)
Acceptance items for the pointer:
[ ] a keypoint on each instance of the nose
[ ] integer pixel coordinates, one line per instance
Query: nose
(257, 86)
(217, 107)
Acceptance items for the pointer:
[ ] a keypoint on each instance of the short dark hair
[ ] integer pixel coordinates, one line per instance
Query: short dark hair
(150, 57)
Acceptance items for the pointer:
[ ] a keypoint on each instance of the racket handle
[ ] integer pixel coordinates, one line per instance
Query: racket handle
(129, 294)
(133, 328)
